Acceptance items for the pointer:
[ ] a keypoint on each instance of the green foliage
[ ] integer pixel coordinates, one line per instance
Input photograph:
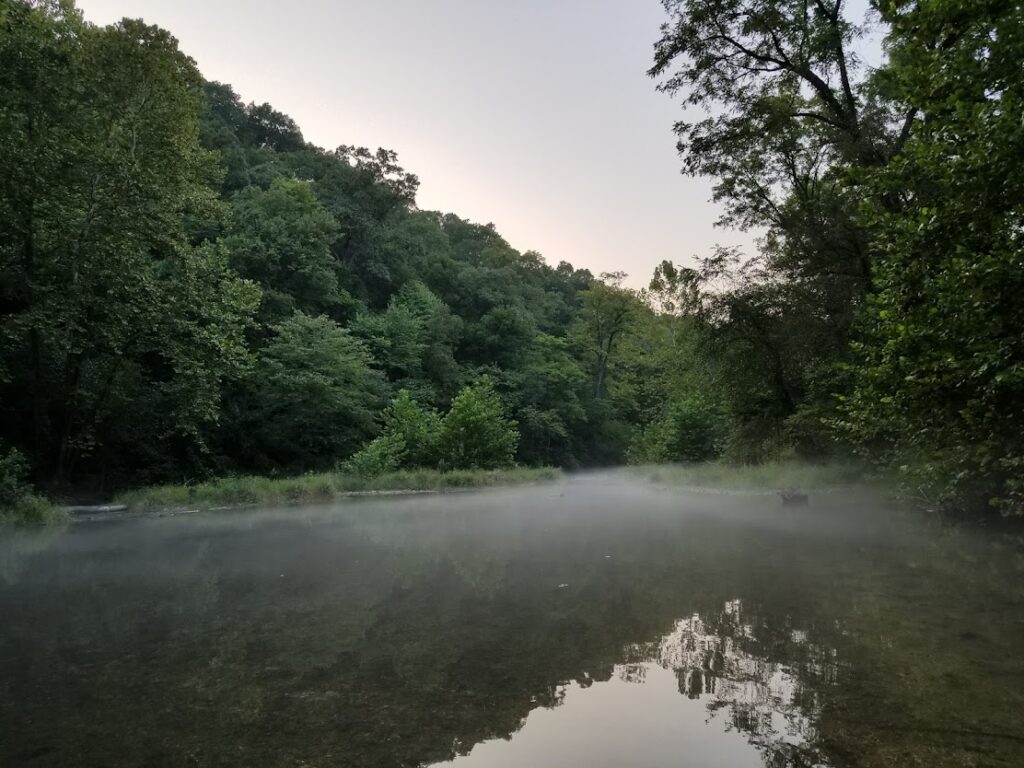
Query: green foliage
(891, 220)
(475, 433)
(410, 439)
(693, 430)
(281, 239)
(188, 287)
(418, 428)
(939, 374)
(14, 484)
(791, 113)
(548, 395)
(413, 341)
(149, 218)
(18, 504)
(105, 298)
(314, 395)
(604, 319)
(385, 453)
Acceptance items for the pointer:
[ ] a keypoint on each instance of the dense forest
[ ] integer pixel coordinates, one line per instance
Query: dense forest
(189, 288)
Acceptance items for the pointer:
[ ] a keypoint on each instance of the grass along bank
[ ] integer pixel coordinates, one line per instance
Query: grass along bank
(767, 477)
(31, 510)
(323, 486)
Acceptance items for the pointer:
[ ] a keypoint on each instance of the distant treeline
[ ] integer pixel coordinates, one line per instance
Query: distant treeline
(188, 288)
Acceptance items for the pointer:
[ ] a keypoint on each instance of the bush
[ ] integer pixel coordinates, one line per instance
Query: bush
(696, 432)
(409, 439)
(474, 434)
(649, 444)
(13, 482)
(418, 428)
(385, 454)
(18, 504)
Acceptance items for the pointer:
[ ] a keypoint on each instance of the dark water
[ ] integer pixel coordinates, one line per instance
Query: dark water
(600, 622)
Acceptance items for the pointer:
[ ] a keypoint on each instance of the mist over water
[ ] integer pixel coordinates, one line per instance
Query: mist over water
(601, 621)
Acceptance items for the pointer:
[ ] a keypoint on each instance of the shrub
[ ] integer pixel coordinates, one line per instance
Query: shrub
(418, 428)
(385, 454)
(13, 478)
(18, 504)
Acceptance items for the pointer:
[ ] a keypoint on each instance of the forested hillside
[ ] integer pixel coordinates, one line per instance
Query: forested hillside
(189, 288)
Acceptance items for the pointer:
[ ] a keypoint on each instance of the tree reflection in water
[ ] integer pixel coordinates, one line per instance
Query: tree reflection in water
(717, 670)
(719, 660)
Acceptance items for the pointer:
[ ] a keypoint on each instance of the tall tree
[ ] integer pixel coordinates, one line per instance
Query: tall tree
(939, 375)
(604, 318)
(790, 112)
(101, 171)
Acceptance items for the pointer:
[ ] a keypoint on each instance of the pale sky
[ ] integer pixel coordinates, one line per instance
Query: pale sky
(536, 115)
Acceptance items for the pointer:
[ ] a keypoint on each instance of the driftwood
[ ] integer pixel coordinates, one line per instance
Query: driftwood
(95, 509)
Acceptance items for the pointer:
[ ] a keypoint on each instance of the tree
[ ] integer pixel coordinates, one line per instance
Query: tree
(370, 196)
(281, 239)
(792, 115)
(409, 439)
(313, 396)
(104, 298)
(413, 341)
(786, 96)
(939, 372)
(418, 427)
(547, 393)
(475, 433)
(603, 320)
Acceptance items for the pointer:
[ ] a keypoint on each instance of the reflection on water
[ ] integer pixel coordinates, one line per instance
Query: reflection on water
(718, 661)
(701, 693)
(600, 622)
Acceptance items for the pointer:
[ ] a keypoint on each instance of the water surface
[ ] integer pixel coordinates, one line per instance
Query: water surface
(597, 622)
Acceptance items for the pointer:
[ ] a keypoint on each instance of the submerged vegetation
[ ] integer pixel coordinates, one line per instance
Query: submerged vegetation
(190, 289)
(322, 486)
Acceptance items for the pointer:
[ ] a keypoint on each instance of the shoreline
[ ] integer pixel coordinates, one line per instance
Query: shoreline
(229, 493)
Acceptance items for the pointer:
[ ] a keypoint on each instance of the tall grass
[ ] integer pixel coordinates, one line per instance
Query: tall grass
(324, 486)
(32, 510)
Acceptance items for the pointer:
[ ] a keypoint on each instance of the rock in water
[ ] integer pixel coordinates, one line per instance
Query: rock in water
(794, 498)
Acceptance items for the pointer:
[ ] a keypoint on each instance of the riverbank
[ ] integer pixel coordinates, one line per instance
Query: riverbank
(320, 487)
